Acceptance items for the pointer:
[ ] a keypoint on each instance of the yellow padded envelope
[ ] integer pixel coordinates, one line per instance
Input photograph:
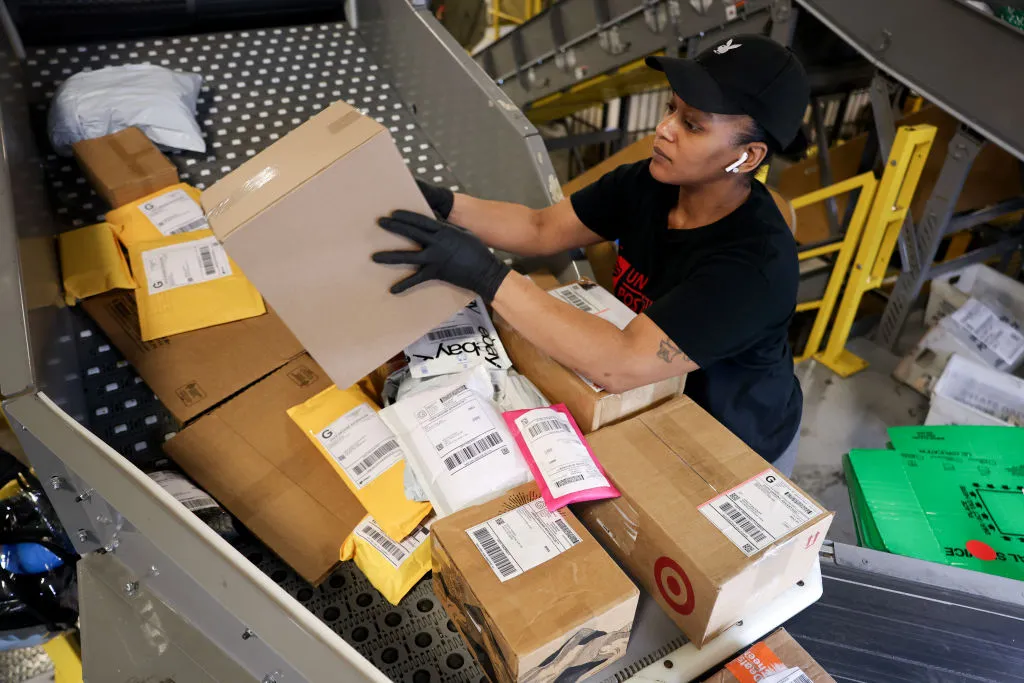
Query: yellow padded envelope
(174, 210)
(345, 428)
(392, 567)
(187, 282)
(91, 262)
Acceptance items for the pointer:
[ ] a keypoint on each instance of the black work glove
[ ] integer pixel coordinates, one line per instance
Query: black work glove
(449, 253)
(441, 199)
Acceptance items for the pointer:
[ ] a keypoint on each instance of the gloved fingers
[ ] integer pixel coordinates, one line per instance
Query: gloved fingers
(420, 276)
(405, 229)
(422, 222)
(400, 258)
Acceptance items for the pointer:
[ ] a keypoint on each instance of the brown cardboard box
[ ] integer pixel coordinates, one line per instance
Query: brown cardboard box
(300, 219)
(252, 458)
(777, 652)
(194, 371)
(124, 166)
(591, 409)
(574, 610)
(671, 463)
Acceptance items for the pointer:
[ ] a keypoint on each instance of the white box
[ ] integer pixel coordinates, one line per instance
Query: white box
(951, 291)
(971, 393)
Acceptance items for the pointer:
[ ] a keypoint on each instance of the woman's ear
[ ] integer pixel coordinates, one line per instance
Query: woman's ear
(756, 153)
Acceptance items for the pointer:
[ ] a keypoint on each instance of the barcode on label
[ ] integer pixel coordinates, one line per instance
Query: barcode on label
(496, 556)
(447, 333)
(384, 544)
(741, 520)
(198, 503)
(206, 256)
(576, 300)
(478, 447)
(568, 480)
(368, 462)
(800, 678)
(197, 224)
(567, 530)
(549, 425)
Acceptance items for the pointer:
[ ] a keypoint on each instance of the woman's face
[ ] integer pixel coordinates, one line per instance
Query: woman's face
(692, 147)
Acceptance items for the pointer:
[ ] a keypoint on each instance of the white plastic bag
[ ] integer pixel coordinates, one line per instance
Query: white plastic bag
(463, 341)
(455, 439)
(158, 101)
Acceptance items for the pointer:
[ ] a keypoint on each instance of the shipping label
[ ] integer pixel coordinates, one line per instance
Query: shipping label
(395, 553)
(517, 541)
(174, 213)
(184, 491)
(466, 339)
(188, 263)
(361, 444)
(986, 328)
(461, 430)
(760, 511)
(563, 459)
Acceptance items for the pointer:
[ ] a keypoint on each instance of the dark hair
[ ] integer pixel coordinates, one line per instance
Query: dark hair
(756, 133)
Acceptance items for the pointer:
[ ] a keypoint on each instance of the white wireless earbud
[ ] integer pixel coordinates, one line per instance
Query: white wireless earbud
(735, 168)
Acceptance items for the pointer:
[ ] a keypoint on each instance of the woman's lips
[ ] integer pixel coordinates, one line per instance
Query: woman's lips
(661, 155)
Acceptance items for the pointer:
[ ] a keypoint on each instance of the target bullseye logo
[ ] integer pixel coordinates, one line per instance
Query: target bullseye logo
(674, 585)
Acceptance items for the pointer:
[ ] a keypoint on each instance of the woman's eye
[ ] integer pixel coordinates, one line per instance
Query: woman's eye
(692, 127)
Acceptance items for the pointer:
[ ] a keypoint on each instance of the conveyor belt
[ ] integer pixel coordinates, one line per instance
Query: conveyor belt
(258, 85)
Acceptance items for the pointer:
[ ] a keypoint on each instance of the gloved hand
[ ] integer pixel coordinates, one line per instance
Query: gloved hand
(449, 253)
(441, 199)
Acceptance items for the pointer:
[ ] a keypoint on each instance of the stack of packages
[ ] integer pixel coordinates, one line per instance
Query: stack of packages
(947, 494)
(968, 360)
(444, 457)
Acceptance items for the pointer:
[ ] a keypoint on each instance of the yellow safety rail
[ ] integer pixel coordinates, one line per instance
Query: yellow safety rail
(531, 8)
(843, 249)
(892, 202)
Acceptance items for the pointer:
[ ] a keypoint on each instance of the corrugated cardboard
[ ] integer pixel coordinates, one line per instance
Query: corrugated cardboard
(779, 650)
(666, 463)
(300, 218)
(124, 166)
(259, 465)
(591, 409)
(194, 371)
(575, 610)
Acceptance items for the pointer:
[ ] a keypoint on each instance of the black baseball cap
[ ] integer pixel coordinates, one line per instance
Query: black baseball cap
(746, 74)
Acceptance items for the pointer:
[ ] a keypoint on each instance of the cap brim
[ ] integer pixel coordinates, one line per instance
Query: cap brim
(798, 147)
(694, 85)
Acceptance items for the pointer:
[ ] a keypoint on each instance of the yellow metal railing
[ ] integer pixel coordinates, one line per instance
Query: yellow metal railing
(872, 234)
(531, 8)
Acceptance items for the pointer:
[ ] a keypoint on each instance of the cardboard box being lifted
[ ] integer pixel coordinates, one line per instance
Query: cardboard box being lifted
(533, 595)
(300, 218)
(711, 530)
(124, 166)
(251, 457)
(592, 407)
(775, 654)
(194, 371)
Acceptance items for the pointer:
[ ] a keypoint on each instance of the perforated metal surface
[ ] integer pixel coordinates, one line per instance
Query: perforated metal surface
(258, 85)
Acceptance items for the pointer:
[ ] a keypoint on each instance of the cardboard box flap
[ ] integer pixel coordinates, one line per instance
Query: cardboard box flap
(289, 162)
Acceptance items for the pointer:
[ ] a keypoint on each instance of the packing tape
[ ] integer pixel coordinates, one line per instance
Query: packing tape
(619, 521)
(254, 183)
(343, 122)
(148, 185)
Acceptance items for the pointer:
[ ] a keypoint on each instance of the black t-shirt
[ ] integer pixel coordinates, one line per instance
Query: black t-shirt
(724, 293)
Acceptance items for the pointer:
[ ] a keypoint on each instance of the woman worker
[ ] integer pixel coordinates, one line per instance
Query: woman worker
(705, 257)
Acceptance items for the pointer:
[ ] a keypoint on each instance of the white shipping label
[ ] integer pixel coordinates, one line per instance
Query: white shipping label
(463, 341)
(592, 298)
(759, 511)
(174, 212)
(563, 460)
(792, 675)
(184, 491)
(460, 430)
(395, 553)
(361, 444)
(984, 325)
(188, 263)
(517, 541)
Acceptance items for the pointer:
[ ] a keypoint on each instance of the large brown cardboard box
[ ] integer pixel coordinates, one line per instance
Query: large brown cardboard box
(778, 652)
(591, 409)
(709, 528)
(252, 458)
(124, 166)
(194, 371)
(573, 610)
(300, 219)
